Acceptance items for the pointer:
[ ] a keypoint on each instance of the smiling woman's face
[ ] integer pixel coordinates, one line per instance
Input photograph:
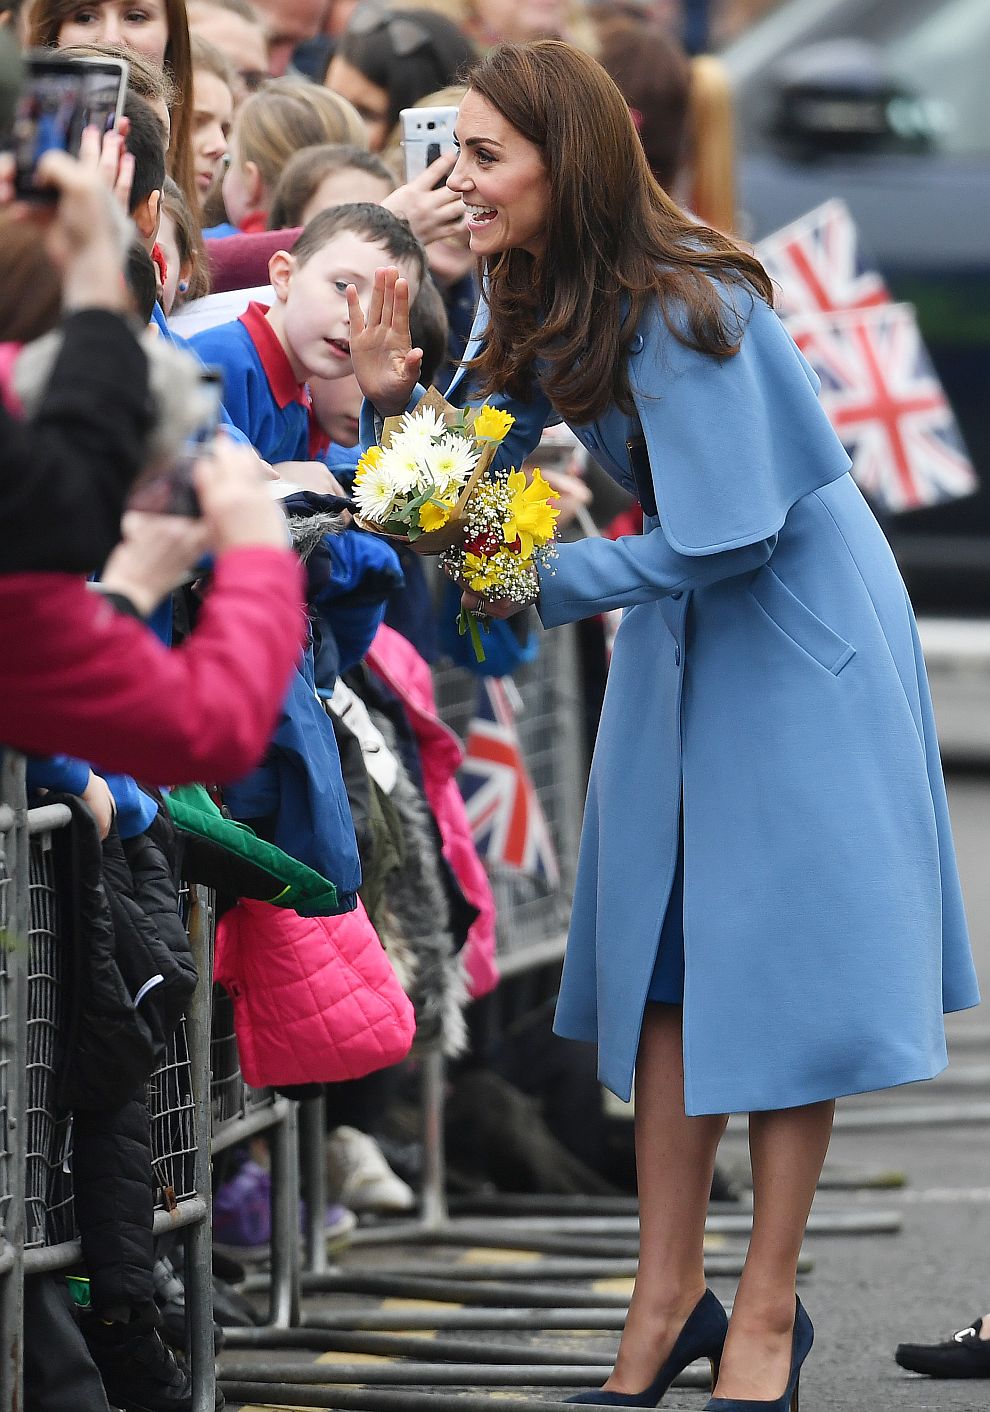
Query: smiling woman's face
(502, 180)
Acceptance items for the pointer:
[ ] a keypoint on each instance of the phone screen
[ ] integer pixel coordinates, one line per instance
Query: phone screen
(60, 98)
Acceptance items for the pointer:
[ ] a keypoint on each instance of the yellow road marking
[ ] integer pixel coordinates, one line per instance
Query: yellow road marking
(417, 1304)
(482, 1256)
(355, 1358)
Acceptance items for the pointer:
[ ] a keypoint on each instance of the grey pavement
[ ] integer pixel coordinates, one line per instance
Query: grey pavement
(866, 1293)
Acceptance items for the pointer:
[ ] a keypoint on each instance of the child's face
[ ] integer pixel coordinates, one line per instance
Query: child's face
(237, 194)
(337, 408)
(312, 308)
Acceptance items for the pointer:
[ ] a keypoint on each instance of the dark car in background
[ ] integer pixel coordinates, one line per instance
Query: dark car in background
(886, 103)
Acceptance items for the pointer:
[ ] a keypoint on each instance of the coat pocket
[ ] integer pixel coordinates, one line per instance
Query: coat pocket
(799, 623)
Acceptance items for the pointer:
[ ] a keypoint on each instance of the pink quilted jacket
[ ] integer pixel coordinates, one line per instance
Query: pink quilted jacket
(315, 998)
(393, 658)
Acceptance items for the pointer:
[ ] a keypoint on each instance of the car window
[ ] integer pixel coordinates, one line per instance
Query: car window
(939, 49)
(946, 59)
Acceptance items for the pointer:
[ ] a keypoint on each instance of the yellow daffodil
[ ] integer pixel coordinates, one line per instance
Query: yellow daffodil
(478, 572)
(492, 424)
(531, 518)
(434, 515)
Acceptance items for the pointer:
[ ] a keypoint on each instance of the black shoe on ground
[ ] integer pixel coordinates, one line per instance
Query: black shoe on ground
(140, 1372)
(964, 1355)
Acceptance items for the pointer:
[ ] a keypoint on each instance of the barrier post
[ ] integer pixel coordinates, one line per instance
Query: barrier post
(14, 921)
(198, 1242)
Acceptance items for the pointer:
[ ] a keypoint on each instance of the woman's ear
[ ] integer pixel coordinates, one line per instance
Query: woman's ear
(280, 270)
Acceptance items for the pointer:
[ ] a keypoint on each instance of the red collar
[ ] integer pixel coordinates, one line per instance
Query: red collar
(274, 359)
(253, 223)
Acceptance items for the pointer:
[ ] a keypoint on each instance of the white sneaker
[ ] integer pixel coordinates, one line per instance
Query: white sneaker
(359, 1176)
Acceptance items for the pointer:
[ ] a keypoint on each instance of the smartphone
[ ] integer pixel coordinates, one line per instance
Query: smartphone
(59, 98)
(170, 491)
(427, 133)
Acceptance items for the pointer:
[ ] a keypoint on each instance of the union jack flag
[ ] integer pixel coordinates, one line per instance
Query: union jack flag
(507, 822)
(816, 264)
(887, 405)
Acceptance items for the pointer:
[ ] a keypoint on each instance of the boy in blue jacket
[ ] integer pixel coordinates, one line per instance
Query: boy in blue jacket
(268, 355)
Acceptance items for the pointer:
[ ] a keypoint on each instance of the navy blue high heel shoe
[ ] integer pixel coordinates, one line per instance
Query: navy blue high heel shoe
(701, 1337)
(803, 1338)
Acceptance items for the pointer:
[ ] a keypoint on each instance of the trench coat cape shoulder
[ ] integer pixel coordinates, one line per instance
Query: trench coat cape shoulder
(767, 679)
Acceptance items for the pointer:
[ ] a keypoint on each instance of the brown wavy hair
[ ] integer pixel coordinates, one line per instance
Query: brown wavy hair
(615, 241)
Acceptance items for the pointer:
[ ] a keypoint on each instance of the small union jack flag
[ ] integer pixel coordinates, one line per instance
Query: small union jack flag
(815, 263)
(887, 405)
(507, 822)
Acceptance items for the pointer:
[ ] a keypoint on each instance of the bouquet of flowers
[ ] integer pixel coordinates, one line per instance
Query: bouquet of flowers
(426, 485)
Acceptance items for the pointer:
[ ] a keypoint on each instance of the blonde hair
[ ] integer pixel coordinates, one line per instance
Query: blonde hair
(287, 114)
(711, 192)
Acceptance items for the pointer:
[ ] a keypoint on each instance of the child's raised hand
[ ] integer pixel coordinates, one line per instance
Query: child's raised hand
(385, 363)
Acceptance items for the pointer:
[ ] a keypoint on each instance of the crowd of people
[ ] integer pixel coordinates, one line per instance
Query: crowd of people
(230, 683)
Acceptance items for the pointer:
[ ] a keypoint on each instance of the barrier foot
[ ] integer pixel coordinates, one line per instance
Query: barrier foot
(351, 1399)
(382, 1345)
(610, 1320)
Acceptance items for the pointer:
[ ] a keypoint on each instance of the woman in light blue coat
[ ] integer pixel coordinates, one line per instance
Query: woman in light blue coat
(767, 912)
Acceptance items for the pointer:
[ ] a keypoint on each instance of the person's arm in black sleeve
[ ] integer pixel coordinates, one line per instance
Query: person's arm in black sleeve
(65, 474)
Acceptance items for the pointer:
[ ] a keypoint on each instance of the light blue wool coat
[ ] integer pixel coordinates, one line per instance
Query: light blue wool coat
(767, 671)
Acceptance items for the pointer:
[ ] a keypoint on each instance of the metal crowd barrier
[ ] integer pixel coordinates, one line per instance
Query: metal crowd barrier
(533, 912)
(39, 1232)
(199, 1104)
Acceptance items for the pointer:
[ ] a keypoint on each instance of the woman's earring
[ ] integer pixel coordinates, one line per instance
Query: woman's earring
(183, 286)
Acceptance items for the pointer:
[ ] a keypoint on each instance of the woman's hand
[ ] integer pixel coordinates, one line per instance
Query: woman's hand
(154, 556)
(433, 211)
(499, 607)
(238, 509)
(385, 363)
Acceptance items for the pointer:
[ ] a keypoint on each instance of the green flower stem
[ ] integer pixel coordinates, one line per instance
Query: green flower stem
(468, 623)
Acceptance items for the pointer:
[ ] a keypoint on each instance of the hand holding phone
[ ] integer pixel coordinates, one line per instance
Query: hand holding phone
(60, 99)
(427, 133)
(170, 490)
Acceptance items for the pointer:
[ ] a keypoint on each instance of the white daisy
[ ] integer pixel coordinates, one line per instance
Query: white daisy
(374, 493)
(451, 462)
(418, 432)
(403, 469)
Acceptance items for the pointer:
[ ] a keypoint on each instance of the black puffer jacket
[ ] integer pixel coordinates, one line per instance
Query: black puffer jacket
(120, 930)
(131, 972)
